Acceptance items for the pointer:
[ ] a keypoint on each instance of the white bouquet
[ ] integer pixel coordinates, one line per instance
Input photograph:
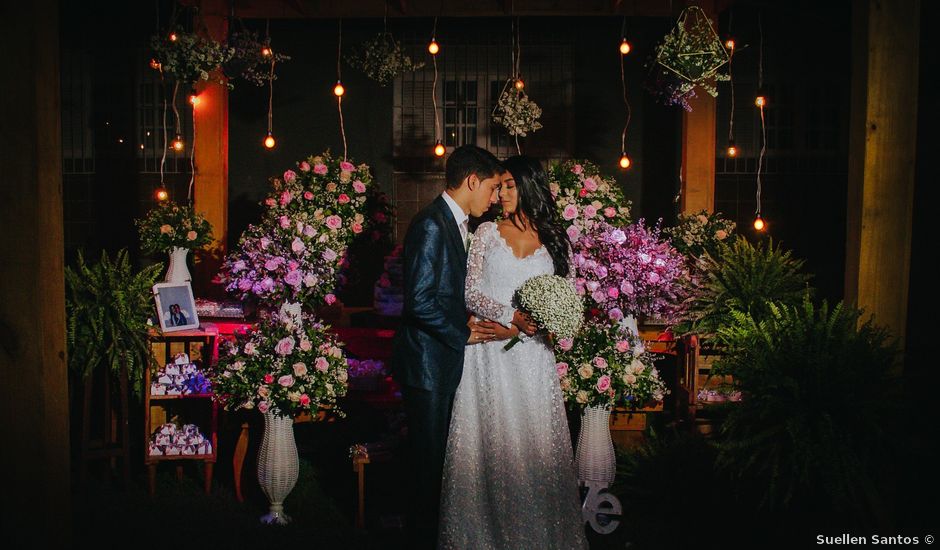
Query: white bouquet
(553, 303)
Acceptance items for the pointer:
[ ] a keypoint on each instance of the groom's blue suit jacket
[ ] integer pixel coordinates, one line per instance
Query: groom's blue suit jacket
(429, 345)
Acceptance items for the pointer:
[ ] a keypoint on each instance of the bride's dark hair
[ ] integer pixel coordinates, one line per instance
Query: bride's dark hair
(538, 208)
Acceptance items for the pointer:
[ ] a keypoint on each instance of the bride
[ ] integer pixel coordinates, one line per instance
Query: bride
(509, 476)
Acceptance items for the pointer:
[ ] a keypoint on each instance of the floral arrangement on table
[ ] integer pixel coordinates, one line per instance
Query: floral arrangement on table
(516, 112)
(382, 59)
(553, 304)
(700, 233)
(190, 57)
(584, 197)
(295, 253)
(289, 364)
(248, 60)
(630, 271)
(606, 365)
(169, 225)
(689, 57)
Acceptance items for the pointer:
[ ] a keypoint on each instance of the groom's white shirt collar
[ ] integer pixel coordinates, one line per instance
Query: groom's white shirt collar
(455, 208)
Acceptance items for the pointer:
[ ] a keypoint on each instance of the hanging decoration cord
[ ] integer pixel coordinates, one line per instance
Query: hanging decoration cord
(763, 125)
(731, 81)
(438, 133)
(339, 99)
(516, 54)
(271, 97)
(626, 103)
(192, 162)
(163, 125)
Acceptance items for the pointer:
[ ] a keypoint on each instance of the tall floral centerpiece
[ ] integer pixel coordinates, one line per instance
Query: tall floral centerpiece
(311, 216)
(583, 197)
(289, 364)
(174, 229)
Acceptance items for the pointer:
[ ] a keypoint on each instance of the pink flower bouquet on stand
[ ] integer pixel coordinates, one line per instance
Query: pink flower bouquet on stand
(583, 197)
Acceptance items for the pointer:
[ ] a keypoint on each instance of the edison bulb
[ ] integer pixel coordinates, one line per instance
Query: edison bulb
(194, 99)
(760, 101)
(439, 149)
(269, 141)
(154, 64)
(624, 47)
(161, 194)
(178, 143)
(729, 44)
(266, 51)
(520, 84)
(759, 223)
(173, 37)
(338, 90)
(625, 161)
(434, 47)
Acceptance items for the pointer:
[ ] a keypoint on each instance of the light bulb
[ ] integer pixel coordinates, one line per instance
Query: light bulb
(269, 141)
(625, 161)
(193, 98)
(173, 37)
(439, 149)
(624, 47)
(760, 101)
(759, 223)
(160, 194)
(729, 44)
(732, 148)
(266, 51)
(338, 89)
(434, 47)
(154, 64)
(519, 83)
(178, 143)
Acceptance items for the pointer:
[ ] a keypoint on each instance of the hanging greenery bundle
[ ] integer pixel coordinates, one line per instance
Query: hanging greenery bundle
(252, 58)
(382, 59)
(516, 112)
(689, 57)
(189, 57)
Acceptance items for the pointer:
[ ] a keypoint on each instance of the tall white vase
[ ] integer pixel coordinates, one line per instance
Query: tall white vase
(595, 454)
(278, 464)
(178, 272)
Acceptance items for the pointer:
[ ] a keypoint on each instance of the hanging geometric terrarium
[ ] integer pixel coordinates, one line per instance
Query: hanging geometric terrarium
(690, 56)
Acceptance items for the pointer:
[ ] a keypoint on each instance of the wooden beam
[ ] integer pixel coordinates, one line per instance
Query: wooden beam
(34, 395)
(323, 9)
(883, 132)
(211, 140)
(698, 144)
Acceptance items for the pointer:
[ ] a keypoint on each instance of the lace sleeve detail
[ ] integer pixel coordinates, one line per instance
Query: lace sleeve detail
(479, 303)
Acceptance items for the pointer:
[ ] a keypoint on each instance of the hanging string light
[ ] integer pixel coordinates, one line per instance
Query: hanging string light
(178, 144)
(729, 45)
(160, 193)
(339, 90)
(517, 73)
(624, 45)
(760, 101)
(625, 161)
(439, 148)
(269, 142)
(194, 97)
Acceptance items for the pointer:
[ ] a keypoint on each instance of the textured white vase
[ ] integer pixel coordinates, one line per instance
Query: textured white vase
(595, 454)
(278, 465)
(178, 272)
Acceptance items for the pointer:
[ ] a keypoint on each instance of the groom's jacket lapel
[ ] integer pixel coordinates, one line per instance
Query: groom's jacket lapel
(452, 230)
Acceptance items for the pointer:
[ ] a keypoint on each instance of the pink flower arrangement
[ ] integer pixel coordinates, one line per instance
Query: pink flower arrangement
(584, 197)
(630, 270)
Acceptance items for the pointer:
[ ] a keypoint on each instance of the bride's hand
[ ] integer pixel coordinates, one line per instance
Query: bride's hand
(524, 323)
(479, 332)
(501, 332)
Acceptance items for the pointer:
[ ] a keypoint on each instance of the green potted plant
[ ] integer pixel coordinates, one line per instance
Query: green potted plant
(107, 309)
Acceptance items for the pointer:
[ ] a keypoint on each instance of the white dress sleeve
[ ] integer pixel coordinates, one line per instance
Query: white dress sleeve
(480, 304)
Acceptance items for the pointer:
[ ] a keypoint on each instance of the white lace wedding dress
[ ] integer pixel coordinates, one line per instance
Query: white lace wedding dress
(509, 477)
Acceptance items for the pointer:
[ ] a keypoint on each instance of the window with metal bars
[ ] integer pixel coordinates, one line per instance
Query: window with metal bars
(153, 116)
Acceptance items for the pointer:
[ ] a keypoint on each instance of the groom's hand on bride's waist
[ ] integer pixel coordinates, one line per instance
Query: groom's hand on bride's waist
(480, 331)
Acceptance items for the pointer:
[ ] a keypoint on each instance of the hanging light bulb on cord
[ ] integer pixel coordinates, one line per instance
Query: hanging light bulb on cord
(434, 48)
(729, 44)
(339, 90)
(732, 148)
(269, 141)
(759, 223)
(178, 143)
(439, 149)
(625, 161)
(519, 83)
(160, 194)
(624, 47)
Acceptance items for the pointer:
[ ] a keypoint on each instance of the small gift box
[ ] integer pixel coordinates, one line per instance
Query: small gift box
(190, 429)
(204, 448)
(156, 450)
(172, 450)
(189, 369)
(172, 370)
(196, 439)
(180, 379)
(168, 429)
(174, 390)
(165, 379)
(161, 439)
(157, 389)
(181, 359)
(188, 450)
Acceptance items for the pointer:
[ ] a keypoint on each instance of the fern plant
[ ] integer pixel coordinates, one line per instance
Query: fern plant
(107, 306)
(819, 401)
(745, 277)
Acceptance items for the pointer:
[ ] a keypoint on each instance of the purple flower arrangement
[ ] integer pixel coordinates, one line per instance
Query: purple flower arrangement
(629, 271)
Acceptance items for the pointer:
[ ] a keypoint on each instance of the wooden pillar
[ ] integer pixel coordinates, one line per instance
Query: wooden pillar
(34, 411)
(211, 128)
(883, 132)
(698, 144)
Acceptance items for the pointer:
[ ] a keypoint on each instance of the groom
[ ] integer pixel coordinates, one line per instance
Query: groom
(429, 346)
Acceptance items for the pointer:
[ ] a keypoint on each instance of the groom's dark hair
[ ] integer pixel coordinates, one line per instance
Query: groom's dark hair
(470, 159)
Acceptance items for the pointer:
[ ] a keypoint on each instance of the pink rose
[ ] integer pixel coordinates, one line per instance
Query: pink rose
(285, 198)
(613, 293)
(644, 258)
(603, 383)
(286, 381)
(343, 198)
(610, 212)
(308, 195)
(292, 265)
(264, 392)
(357, 228)
(263, 407)
(599, 296)
(298, 245)
(331, 187)
(268, 378)
(654, 277)
(329, 299)
(565, 344)
(321, 364)
(304, 166)
(272, 264)
(590, 211)
(573, 232)
(191, 236)
(284, 221)
(570, 212)
(583, 192)
(320, 169)
(166, 229)
(310, 280)
(590, 184)
(561, 368)
(347, 166)
(600, 362)
(629, 378)
(309, 231)
(329, 254)
(334, 222)
(270, 201)
(264, 242)
(293, 278)
(250, 348)
(290, 176)
(239, 266)
(304, 400)
(577, 169)
(626, 287)
(592, 286)
(305, 345)
(618, 236)
(615, 314)
(623, 346)
(285, 346)
(359, 187)
(600, 271)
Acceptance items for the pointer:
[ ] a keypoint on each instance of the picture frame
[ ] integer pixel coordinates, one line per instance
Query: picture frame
(176, 307)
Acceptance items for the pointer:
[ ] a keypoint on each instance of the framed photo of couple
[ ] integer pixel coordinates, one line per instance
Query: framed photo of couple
(176, 307)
